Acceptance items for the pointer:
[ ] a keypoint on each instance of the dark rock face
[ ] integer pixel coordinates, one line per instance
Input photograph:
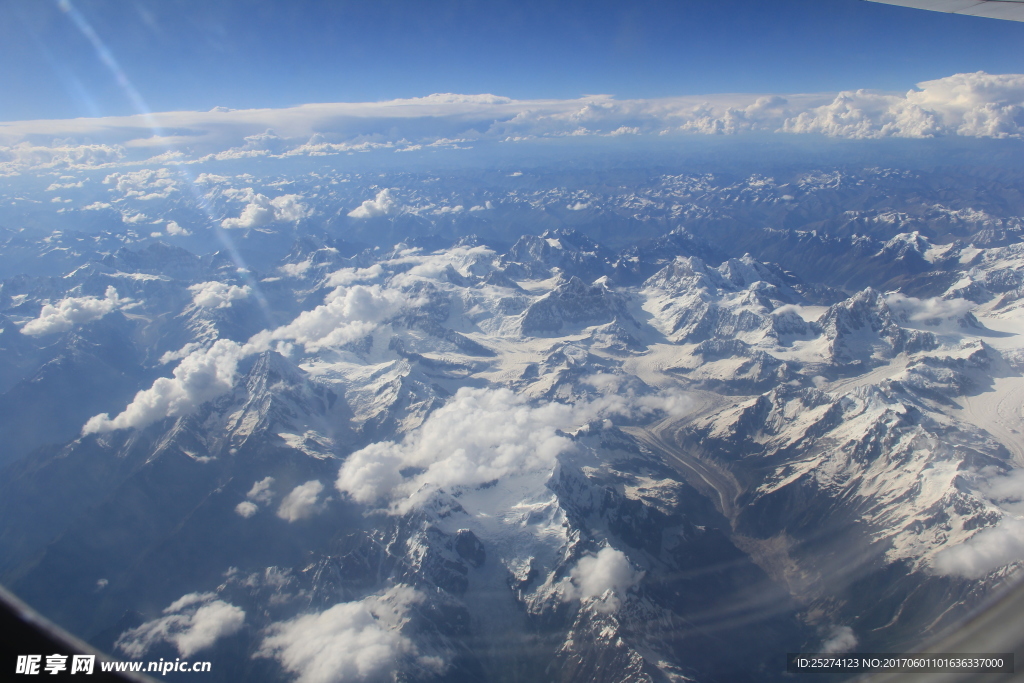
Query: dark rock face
(469, 547)
(572, 305)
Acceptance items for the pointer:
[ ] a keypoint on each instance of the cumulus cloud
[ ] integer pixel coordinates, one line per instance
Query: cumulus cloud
(261, 210)
(381, 205)
(204, 374)
(171, 356)
(137, 217)
(246, 509)
(840, 639)
(144, 185)
(348, 314)
(176, 230)
(191, 623)
(25, 156)
(301, 502)
(295, 269)
(259, 493)
(607, 575)
(217, 294)
(351, 641)
(975, 105)
(210, 179)
(71, 311)
(478, 436)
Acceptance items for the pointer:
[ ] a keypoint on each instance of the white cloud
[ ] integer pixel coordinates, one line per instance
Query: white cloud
(986, 551)
(246, 509)
(348, 314)
(171, 356)
(203, 375)
(192, 623)
(62, 186)
(927, 309)
(381, 205)
(174, 229)
(295, 269)
(260, 491)
(933, 313)
(607, 575)
(618, 398)
(67, 313)
(348, 276)
(97, 206)
(841, 639)
(301, 502)
(217, 294)
(448, 209)
(25, 156)
(145, 185)
(262, 210)
(210, 179)
(137, 217)
(478, 436)
(972, 104)
(351, 641)
(996, 546)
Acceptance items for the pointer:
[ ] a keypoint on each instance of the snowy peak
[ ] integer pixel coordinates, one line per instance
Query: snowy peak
(863, 329)
(568, 251)
(692, 303)
(573, 304)
(274, 397)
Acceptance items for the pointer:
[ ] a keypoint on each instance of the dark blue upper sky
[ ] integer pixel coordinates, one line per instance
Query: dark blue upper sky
(197, 54)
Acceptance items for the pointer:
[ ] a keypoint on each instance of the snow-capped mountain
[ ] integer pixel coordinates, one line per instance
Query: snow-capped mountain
(520, 456)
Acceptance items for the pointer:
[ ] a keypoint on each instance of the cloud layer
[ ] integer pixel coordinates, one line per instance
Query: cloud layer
(972, 104)
(478, 436)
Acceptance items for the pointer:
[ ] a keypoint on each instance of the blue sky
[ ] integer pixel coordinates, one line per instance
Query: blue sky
(190, 54)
